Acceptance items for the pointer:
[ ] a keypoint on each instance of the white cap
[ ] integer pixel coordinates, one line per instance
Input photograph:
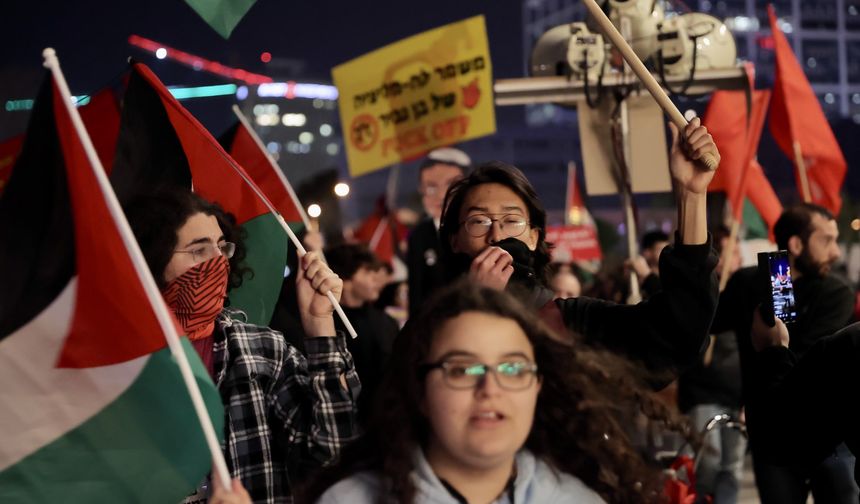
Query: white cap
(449, 155)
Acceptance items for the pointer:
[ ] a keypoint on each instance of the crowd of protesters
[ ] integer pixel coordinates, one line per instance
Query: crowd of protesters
(413, 415)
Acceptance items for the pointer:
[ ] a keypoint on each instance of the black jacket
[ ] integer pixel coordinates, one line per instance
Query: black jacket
(808, 406)
(824, 306)
(667, 333)
(423, 264)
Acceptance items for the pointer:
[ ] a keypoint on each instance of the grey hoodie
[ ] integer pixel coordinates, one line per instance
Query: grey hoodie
(536, 483)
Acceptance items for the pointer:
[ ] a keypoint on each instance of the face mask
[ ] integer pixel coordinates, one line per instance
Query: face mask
(524, 272)
(523, 259)
(197, 296)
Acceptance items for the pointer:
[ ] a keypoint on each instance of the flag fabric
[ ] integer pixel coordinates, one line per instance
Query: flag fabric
(758, 112)
(796, 117)
(9, 150)
(93, 406)
(760, 193)
(101, 117)
(577, 240)
(221, 15)
(382, 232)
(736, 120)
(162, 145)
(242, 146)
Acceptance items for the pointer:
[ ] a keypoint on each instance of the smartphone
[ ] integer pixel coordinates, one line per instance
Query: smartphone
(775, 272)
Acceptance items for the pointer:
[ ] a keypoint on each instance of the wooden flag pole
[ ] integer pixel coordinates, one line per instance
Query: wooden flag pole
(642, 73)
(801, 169)
(165, 320)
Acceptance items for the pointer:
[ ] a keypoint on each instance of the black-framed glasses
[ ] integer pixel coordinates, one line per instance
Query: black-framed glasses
(479, 225)
(513, 375)
(205, 251)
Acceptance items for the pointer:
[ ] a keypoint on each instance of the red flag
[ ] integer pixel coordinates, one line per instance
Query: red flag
(727, 122)
(243, 146)
(797, 120)
(761, 195)
(101, 117)
(381, 232)
(575, 211)
(758, 113)
(578, 239)
(737, 136)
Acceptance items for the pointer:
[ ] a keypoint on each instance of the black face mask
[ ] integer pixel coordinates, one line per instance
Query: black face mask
(524, 272)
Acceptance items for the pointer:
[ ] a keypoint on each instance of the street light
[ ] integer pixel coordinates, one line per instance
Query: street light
(341, 189)
(314, 210)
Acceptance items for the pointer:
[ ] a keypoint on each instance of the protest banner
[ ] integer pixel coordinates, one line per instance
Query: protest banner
(426, 91)
(573, 243)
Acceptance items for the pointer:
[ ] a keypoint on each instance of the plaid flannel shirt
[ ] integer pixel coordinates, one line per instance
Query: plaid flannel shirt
(277, 401)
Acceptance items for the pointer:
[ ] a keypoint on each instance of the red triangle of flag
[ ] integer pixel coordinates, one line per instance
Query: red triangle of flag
(249, 154)
(797, 118)
(113, 318)
(215, 175)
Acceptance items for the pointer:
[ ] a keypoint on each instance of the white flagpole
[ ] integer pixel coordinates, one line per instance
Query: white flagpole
(142, 270)
(293, 238)
(377, 233)
(274, 164)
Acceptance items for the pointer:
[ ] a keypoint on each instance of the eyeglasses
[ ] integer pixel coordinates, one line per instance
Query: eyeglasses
(205, 251)
(480, 224)
(516, 375)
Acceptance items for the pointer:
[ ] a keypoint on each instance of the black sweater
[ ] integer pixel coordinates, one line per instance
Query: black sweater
(668, 332)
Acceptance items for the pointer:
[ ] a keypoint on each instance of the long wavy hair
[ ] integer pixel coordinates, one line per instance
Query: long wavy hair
(576, 426)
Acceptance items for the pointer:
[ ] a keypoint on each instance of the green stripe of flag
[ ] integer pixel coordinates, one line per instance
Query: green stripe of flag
(221, 15)
(266, 244)
(146, 446)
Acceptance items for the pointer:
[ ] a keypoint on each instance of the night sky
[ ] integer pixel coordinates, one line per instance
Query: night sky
(91, 37)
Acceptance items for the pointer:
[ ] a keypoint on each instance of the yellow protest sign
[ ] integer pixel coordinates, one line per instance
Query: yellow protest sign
(425, 91)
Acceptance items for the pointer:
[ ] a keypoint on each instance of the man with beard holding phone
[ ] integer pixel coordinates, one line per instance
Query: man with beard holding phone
(824, 305)
(493, 229)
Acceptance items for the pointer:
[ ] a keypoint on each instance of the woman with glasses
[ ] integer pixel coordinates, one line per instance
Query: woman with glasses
(279, 405)
(493, 231)
(484, 405)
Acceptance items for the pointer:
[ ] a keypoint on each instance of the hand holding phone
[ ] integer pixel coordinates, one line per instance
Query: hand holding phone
(774, 272)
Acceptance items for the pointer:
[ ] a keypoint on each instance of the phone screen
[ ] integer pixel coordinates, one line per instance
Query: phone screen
(781, 288)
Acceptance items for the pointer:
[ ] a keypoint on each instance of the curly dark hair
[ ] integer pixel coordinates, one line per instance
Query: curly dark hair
(507, 175)
(576, 426)
(156, 218)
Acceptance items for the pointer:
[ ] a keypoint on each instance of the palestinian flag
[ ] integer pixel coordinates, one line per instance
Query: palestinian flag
(93, 406)
(101, 117)
(382, 233)
(221, 15)
(162, 144)
(245, 148)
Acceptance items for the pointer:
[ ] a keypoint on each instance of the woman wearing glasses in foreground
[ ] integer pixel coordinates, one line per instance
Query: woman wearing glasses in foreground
(494, 227)
(483, 405)
(279, 406)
